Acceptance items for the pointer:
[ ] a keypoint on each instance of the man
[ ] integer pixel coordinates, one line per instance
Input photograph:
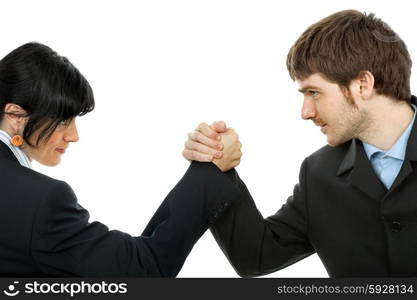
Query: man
(355, 204)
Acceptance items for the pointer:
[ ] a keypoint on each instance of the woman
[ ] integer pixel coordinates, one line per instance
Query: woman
(43, 230)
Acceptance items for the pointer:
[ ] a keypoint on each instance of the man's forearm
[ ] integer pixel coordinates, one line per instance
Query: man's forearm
(257, 246)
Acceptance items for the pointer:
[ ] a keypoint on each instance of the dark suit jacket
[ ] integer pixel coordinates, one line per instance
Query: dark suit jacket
(45, 232)
(340, 210)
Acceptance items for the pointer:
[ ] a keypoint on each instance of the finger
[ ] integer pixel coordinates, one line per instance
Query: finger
(191, 145)
(208, 132)
(197, 136)
(197, 156)
(219, 126)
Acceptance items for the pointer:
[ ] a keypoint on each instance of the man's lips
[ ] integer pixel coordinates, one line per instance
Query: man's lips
(323, 126)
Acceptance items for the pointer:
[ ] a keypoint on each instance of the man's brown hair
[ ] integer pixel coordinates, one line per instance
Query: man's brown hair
(345, 43)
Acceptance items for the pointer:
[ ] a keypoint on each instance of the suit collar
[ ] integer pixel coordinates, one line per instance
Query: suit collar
(362, 174)
(411, 150)
(349, 159)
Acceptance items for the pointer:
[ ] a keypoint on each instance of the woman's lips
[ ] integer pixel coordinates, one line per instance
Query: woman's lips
(60, 150)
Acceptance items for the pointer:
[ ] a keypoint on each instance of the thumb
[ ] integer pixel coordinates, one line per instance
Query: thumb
(219, 126)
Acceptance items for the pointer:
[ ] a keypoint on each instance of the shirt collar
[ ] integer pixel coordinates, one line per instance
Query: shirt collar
(18, 153)
(398, 149)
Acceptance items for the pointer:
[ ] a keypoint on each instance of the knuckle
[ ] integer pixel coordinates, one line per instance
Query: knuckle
(203, 149)
(211, 143)
(192, 155)
(197, 146)
(197, 156)
(195, 135)
(199, 137)
(191, 145)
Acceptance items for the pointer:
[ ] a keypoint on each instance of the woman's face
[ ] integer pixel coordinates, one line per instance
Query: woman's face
(49, 151)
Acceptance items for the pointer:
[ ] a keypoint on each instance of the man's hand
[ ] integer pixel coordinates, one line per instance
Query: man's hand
(206, 143)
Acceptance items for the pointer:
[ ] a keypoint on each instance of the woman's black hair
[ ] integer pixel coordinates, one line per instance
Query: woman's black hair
(46, 85)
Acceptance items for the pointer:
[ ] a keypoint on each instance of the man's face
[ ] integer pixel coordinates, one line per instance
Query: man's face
(327, 106)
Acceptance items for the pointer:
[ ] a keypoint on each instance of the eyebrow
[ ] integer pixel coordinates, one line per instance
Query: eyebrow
(309, 87)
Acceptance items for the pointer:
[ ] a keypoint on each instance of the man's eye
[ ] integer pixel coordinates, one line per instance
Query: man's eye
(313, 94)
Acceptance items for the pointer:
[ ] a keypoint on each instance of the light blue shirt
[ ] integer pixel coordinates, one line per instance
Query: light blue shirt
(387, 164)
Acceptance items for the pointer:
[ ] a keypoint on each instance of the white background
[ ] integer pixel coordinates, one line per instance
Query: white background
(158, 68)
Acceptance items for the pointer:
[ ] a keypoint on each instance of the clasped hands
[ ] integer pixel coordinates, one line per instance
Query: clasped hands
(215, 143)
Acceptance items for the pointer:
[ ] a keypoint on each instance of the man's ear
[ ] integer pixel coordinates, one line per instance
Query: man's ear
(16, 117)
(366, 82)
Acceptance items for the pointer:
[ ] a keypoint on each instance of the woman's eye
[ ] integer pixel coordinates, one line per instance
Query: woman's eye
(64, 123)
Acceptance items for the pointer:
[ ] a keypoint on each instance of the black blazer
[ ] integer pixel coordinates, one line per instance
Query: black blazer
(45, 232)
(340, 210)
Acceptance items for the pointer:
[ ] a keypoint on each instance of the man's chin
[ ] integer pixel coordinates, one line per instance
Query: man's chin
(331, 140)
(332, 145)
(335, 142)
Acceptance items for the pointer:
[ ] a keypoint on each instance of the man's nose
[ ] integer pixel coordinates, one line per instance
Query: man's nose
(308, 111)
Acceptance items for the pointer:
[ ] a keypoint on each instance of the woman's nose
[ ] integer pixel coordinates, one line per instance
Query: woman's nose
(71, 135)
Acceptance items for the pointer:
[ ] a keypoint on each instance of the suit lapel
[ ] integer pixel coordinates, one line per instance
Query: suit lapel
(6, 153)
(361, 174)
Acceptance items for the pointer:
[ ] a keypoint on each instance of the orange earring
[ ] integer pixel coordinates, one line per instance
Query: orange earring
(17, 140)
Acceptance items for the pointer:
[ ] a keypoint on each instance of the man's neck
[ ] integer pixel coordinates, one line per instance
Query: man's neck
(387, 121)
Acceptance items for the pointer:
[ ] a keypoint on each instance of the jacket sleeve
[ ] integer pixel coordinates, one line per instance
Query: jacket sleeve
(64, 243)
(257, 246)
